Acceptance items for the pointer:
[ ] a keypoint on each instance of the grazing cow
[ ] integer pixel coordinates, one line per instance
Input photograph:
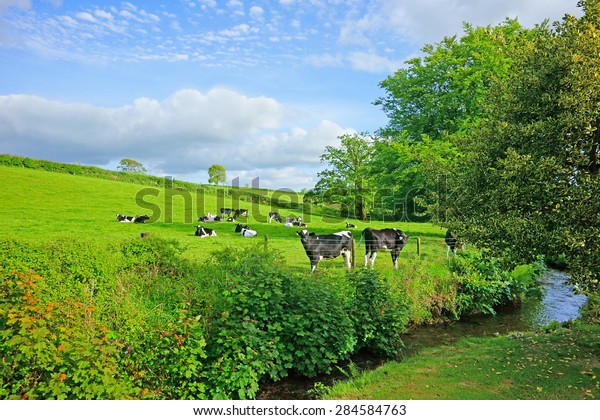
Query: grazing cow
(204, 232)
(241, 212)
(245, 230)
(226, 211)
(274, 215)
(332, 245)
(350, 226)
(452, 243)
(388, 239)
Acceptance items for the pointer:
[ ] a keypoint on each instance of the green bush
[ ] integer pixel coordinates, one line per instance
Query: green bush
(318, 331)
(484, 283)
(54, 350)
(379, 317)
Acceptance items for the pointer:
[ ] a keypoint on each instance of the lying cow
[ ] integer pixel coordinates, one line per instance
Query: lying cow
(452, 243)
(245, 230)
(331, 245)
(388, 239)
(209, 218)
(132, 219)
(350, 226)
(204, 232)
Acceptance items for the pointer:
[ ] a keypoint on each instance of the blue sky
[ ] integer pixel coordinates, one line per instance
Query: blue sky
(260, 87)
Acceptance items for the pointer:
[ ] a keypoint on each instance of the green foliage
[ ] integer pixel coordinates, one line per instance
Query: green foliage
(318, 331)
(443, 92)
(345, 181)
(529, 183)
(484, 283)
(379, 317)
(54, 350)
(217, 174)
(130, 165)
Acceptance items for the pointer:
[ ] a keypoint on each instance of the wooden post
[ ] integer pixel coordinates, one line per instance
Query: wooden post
(266, 243)
(419, 247)
(353, 256)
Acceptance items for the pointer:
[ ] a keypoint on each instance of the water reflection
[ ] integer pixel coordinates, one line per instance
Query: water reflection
(560, 303)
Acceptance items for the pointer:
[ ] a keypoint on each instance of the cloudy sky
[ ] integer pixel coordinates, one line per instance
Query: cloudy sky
(260, 87)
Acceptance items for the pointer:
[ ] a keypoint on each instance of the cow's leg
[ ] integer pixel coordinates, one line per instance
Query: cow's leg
(347, 255)
(366, 259)
(447, 251)
(395, 259)
(373, 256)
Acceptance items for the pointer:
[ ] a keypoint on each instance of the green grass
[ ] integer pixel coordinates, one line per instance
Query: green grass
(559, 363)
(38, 204)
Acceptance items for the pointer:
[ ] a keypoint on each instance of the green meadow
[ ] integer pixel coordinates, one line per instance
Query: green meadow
(89, 309)
(37, 204)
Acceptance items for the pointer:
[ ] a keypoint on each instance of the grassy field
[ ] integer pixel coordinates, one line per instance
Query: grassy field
(40, 204)
(554, 363)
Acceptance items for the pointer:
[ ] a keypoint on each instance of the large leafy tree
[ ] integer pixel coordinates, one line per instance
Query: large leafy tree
(529, 183)
(431, 104)
(443, 92)
(345, 180)
(217, 174)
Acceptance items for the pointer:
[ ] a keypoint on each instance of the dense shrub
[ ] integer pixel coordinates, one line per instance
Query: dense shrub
(378, 315)
(318, 331)
(484, 283)
(54, 350)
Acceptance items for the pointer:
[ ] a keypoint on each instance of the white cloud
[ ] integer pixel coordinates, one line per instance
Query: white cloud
(428, 21)
(180, 134)
(372, 63)
(85, 16)
(256, 12)
(21, 4)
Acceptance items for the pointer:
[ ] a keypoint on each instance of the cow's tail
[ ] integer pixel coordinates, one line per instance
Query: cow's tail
(362, 235)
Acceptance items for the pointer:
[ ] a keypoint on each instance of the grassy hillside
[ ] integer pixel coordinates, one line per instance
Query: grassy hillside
(41, 204)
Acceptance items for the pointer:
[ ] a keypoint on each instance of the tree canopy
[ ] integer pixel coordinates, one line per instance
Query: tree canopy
(345, 180)
(217, 174)
(529, 184)
(130, 165)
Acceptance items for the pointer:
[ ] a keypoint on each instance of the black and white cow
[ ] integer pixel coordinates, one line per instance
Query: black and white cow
(245, 230)
(294, 221)
(226, 211)
(452, 243)
(241, 212)
(204, 232)
(350, 226)
(208, 218)
(132, 219)
(274, 215)
(388, 239)
(331, 245)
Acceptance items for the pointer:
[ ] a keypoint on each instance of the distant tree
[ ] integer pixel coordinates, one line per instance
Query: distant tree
(216, 174)
(130, 165)
(345, 180)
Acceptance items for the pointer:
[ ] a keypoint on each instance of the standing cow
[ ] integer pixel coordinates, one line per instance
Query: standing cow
(452, 243)
(388, 239)
(331, 245)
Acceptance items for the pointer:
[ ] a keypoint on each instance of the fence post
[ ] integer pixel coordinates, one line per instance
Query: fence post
(353, 256)
(266, 243)
(419, 247)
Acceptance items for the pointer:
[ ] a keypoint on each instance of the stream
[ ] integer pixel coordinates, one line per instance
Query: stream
(560, 303)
